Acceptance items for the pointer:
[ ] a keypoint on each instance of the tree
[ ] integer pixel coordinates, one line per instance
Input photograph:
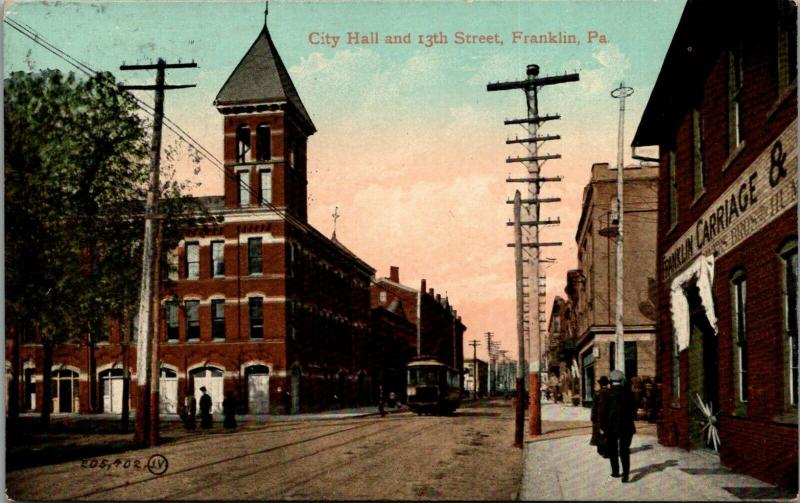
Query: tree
(76, 170)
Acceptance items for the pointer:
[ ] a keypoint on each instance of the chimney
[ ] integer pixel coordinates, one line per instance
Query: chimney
(394, 274)
(422, 285)
(430, 292)
(438, 298)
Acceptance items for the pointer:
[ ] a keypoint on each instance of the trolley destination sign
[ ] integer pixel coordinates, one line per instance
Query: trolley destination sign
(765, 190)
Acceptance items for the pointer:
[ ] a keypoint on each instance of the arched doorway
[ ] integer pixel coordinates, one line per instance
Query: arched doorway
(257, 389)
(30, 388)
(212, 378)
(168, 391)
(111, 390)
(65, 391)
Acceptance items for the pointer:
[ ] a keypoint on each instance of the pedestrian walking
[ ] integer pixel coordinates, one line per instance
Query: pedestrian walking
(599, 439)
(205, 409)
(190, 413)
(616, 415)
(229, 410)
(381, 403)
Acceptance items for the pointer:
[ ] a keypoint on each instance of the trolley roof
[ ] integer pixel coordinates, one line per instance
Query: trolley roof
(426, 363)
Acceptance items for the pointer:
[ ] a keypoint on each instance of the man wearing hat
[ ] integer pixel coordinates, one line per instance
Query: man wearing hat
(616, 414)
(598, 439)
(205, 409)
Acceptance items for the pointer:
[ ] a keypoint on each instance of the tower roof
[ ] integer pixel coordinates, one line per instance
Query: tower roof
(261, 77)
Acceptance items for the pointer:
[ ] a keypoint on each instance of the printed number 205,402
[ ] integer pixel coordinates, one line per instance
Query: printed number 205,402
(108, 464)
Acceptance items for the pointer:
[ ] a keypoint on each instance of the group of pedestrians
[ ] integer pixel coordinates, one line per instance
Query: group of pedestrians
(613, 414)
(206, 416)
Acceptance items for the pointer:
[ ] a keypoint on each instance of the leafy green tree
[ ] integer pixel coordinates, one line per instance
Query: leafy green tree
(76, 169)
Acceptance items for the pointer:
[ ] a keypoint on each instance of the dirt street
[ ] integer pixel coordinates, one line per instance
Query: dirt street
(402, 456)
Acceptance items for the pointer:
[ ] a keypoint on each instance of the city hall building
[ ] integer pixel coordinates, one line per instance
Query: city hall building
(258, 302)
(723, 114)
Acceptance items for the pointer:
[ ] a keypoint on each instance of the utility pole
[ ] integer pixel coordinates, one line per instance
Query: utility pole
(147, 401)
(620, 93)
(533, 163)
(490, 352)
(519, 425)
(474, 345)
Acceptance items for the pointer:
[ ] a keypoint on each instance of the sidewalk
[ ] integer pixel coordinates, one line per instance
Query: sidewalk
(568, 468)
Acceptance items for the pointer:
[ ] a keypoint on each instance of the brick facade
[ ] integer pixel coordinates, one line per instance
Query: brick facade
(758, 429)
(591, 288)
(438, 331)
(291, 305)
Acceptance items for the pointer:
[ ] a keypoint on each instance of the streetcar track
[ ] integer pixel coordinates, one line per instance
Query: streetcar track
(297, 482)
(287, 461)
(212, 463)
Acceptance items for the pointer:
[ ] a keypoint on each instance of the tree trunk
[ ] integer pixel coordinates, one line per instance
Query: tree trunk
(126, 370)
(93, 405)
(47, 397)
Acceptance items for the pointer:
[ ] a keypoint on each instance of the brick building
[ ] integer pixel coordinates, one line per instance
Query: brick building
(257, 302)
(561, 350)
(438, 329)
(592, 287)
(723, 113)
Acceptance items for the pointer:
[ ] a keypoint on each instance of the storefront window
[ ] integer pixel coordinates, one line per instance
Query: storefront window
(739, 292)
(788, 256)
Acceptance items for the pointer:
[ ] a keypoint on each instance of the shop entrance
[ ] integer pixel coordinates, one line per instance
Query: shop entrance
(703, 370)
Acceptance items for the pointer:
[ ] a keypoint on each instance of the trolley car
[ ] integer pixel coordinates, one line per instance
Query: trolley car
(432, 387)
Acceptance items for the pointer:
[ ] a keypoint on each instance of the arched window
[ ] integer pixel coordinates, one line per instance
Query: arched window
(243, 144)
(263, 142)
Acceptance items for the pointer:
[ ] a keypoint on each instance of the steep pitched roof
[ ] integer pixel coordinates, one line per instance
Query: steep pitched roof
(261, 77)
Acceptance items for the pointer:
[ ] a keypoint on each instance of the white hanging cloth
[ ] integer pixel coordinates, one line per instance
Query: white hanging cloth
(701, 270)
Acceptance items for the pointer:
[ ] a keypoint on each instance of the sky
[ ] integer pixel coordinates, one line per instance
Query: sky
(410, 146)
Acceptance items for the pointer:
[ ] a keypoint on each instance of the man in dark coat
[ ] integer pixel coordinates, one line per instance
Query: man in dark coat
(229, 410)
(190, 411)
(616, 414)
(598, 439)
(205, 409)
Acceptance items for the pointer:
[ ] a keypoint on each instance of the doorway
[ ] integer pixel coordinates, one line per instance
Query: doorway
(212, 379)
(168, 391)
(257, 389)
(111, 390)
(703, 370)
(64, 390)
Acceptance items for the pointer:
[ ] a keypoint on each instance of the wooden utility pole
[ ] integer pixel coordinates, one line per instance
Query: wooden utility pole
(533, 163)
(147, 386)
(490, 352)
(520, 378)
(474, 345)
(620, 93)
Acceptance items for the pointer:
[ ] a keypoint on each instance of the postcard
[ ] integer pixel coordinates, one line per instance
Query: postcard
(400, 250)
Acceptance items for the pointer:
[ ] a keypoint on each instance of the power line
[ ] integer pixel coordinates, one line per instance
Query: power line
(37, 38)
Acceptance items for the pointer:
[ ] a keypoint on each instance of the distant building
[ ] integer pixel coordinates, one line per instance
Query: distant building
(724, 116)
(562, 373)
(476, 371)
(413, 323)
(591, 288)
